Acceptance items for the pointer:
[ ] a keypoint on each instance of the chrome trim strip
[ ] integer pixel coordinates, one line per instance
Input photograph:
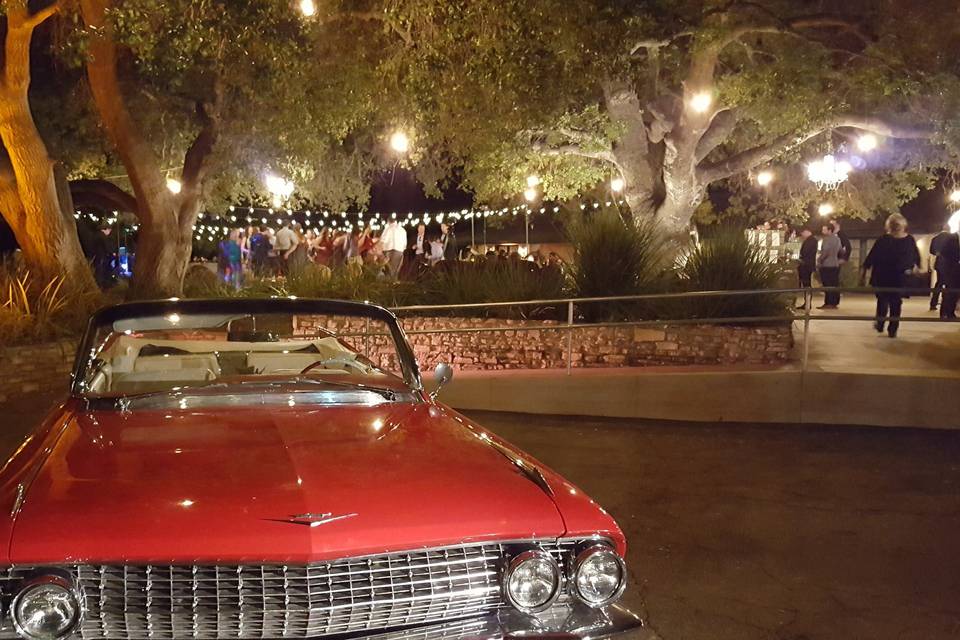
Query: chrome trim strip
(18, 500)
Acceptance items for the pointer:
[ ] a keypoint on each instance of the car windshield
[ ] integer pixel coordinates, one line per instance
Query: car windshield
(241, 353)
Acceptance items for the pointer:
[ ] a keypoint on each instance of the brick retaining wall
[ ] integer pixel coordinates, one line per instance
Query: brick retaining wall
(35, 367)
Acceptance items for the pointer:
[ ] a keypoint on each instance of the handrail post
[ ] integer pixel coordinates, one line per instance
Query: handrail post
(569, 337)
(808, 303)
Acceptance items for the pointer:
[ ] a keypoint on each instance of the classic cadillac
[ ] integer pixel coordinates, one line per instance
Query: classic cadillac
(275, 469)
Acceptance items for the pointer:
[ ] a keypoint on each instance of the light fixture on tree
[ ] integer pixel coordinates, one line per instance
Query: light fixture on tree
(701, 101)
(764, 178)
(530, 194)
(308, 8)
(533, 181)
(828, 172)
(867, 142)
(954, 222)
(400, 142)
(174, 185)
(955, 196)
(617, 185)
(826, 209)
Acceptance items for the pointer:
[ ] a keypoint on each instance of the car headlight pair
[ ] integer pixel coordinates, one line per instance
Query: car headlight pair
(47, 607)
(533, 580)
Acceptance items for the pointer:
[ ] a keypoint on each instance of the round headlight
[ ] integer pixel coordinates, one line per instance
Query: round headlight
(532, 582)
(599, 576)
(46, 608)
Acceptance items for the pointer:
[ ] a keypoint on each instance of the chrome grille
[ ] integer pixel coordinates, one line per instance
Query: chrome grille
(365, 594)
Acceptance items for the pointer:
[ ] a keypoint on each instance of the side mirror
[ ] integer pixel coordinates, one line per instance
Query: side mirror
(442, 374)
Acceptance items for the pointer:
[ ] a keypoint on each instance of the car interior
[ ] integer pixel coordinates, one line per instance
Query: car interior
(139, 364)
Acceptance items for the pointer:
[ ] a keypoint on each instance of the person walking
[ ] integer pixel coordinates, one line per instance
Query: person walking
(940, 268)
(950, 255)
(829, 265)
(394, 242)
(807, 263)
(891, 259)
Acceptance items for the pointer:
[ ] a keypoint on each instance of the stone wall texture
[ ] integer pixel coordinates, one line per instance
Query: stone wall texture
(46, 367)
(518, 346)
(36, 367)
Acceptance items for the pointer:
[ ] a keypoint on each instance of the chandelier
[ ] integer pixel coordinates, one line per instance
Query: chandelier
(828, 172)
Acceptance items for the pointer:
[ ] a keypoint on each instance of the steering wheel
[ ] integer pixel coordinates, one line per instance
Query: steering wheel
(347, 362)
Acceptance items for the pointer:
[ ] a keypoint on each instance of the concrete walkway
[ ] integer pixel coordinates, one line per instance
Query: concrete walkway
(928, 349)
(854, 376)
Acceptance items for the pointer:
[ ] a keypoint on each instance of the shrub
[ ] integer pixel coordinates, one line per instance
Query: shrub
(727, 262)
(201, 282)
(614, 257)
(495, 280)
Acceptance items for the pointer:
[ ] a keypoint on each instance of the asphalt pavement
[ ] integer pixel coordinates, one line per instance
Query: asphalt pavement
(741, 532)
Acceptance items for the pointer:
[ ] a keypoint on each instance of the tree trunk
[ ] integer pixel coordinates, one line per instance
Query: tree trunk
(165, 244)
(42, 224)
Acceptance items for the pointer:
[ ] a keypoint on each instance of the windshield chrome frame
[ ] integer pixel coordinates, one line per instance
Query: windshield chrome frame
(252, 306)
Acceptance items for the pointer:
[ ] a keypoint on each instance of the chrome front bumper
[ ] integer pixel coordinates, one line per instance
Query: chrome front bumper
(561, 622)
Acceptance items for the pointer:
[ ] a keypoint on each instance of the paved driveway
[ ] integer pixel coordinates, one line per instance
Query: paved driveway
(741, 532)
(759, 533)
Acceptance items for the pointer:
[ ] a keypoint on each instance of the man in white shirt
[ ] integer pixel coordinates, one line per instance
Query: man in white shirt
(286, 242)
(394, 242)
(420, 246)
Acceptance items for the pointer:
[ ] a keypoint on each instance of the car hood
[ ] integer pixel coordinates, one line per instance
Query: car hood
(228, 485)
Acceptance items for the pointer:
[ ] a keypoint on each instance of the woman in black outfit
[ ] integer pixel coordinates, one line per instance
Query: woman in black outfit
(892, 258)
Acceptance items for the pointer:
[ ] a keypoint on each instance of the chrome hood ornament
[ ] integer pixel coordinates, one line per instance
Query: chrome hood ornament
(313, 519)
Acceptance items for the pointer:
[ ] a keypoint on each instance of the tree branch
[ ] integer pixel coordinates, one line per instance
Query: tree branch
(39, 17)
(373, 16)
(576, 150)
(720, 128)
(102, 193)
(750, 158)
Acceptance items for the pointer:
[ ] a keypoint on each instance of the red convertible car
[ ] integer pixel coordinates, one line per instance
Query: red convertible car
(275, 469)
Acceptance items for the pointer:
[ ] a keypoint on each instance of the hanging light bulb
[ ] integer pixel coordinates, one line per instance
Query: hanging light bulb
(701, 101)
(400, 142)
(174, 185)
(308, 8)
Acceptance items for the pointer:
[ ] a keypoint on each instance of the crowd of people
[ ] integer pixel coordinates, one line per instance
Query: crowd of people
(266, 252)
(894, 265)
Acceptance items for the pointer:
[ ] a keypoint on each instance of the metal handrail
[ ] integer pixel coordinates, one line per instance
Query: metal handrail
(572, 325)
(669, 296)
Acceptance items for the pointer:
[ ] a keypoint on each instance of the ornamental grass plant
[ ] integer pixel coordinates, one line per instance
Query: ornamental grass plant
(37, 309)
(727, 262)
(617, 257)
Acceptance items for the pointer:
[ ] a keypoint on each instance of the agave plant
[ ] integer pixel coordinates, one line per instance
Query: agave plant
(728, 262)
